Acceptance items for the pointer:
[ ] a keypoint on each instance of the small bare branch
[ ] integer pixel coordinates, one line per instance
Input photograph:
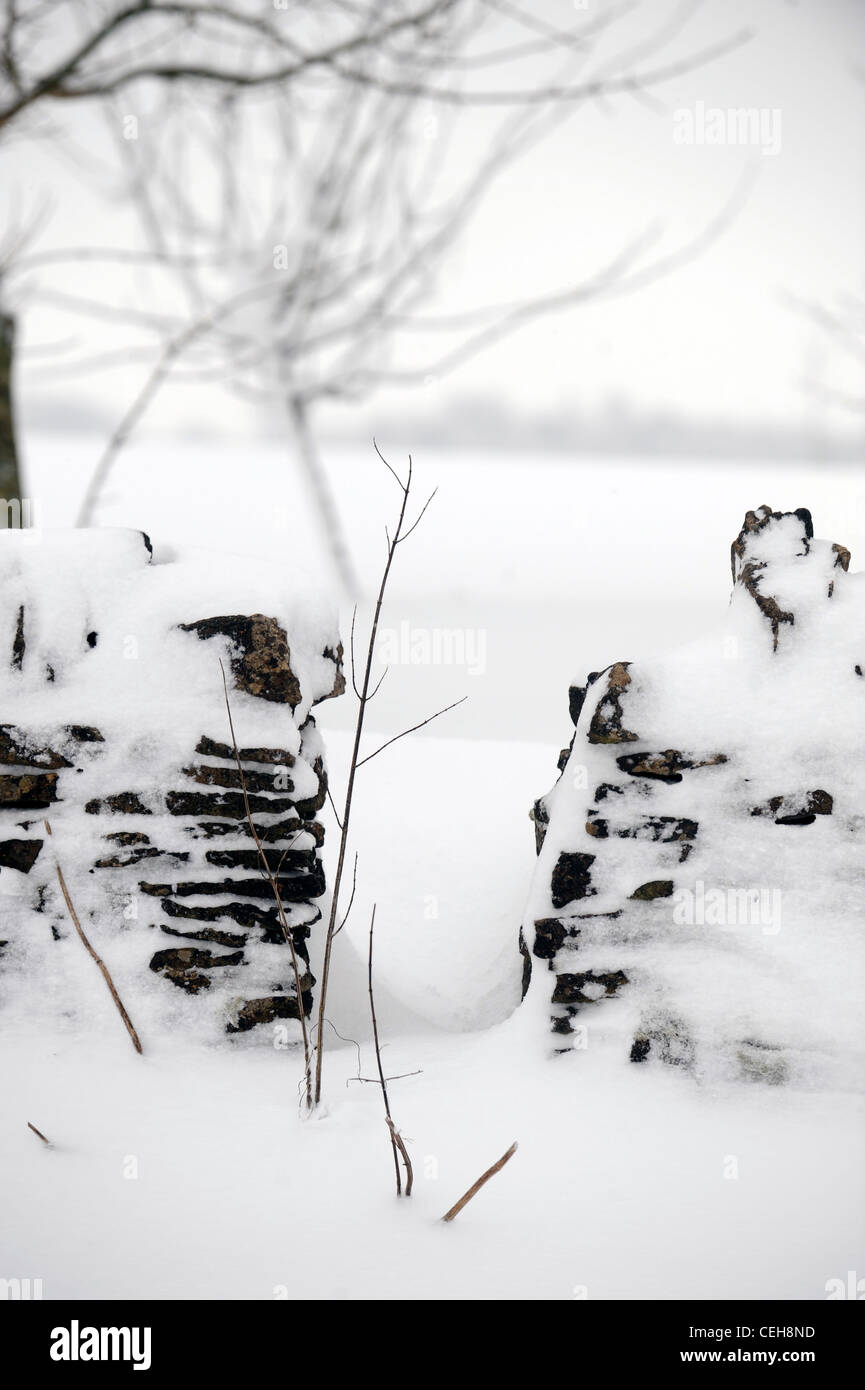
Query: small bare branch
(274, 887)
(351, 899)
(412, 730)
(381, 1076)
(98, 959)
(476, 1187)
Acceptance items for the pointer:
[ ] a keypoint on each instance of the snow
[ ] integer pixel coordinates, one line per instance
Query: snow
(618, 1187)
(190, 1172)
(151, 690)
(786, 971)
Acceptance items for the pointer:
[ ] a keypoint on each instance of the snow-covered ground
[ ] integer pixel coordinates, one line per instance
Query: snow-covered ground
(189, 1173)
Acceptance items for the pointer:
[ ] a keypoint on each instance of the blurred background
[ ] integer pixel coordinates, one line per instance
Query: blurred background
(597, 267)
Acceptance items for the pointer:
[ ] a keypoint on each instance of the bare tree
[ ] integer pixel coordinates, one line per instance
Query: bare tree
(293, 215)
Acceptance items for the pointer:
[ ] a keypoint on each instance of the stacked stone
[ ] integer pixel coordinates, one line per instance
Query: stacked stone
(601, 870)
(185, 855)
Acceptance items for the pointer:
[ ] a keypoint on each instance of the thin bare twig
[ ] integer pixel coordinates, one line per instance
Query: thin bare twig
(351, 899)
(376, 1081)
(333, 808)
(136, 1043)
(476, 1187)
(352, 773)
(39, 1134)
(274, 886)
(413, 728)
(400, 1143)
(381, 1076)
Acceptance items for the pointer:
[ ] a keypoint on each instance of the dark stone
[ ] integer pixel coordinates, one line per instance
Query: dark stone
(287, 860)
(30, 791)
(19, 854)
(17, 751)
(527, 965)
(128, 837)
(668, 1040)
(606, 723)
(608, 789)
(123, 861)
(308, 807)
(292, 889)
(182, 966)
(92, 639)
(84, 733)
(550, 933)
(753, 572)
(667, 766)
(269, 1010)
(277, 757)
(210, 776)
(842, 557)
(262, 666)
(245, 915)
(122, 803)
(662, 830)
(338, 687)
(541, 817)
(570, 879)
(655, 888)
(284, 830)
(570, 988)
(576, 700)
(18, 643)
(798, 808)
(768, 606)
(219, 938)
(657, 829)
(757, 521)
(230, 804)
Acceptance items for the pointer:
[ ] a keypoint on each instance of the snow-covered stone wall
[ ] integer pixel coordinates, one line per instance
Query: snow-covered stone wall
(698, 898)
(114, 730)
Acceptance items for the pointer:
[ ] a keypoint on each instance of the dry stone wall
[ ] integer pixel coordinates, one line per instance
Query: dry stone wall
(146, 803)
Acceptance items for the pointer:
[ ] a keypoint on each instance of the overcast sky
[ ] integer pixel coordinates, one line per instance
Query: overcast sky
(717, 340)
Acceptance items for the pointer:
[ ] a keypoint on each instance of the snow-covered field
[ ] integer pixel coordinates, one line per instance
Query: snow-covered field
(189, 1173)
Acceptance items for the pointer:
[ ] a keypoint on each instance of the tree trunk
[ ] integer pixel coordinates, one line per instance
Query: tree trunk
(324, 499)
(10, 477)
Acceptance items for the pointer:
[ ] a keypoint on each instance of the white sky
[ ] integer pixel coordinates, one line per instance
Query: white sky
(716, 340)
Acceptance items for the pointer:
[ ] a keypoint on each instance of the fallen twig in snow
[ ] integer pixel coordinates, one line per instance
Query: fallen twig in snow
(99, 961)
(39, 1134)
(484, 1177)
